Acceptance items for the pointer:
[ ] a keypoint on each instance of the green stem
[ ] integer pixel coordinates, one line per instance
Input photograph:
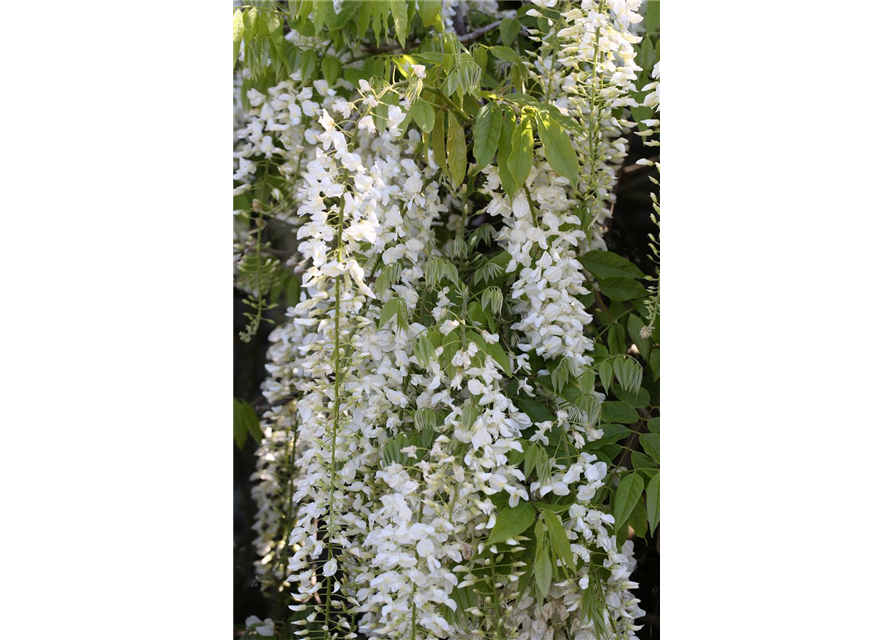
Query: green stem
(337, 414)
(452, 104)
(496, 609)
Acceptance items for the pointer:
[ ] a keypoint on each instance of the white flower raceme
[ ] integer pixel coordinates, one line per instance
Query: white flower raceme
(542, 245)
(595, 78)
(278, 128)
(276, 454)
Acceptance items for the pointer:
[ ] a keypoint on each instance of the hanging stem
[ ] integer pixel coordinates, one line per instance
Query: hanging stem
(337, 415)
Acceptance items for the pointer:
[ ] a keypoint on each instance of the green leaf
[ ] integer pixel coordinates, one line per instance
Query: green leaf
(635, 324)
(337, 21)
(512, 522)
(629, 374)
(559, 541)
(505, 54)
(245, 422)
(492, 297)
(389, 311)
(464, 76)
(494, 350)
(535, 410)
(542, 566)
(559, 150)
(323, 13)
(479, 54)
(651, 445)
(423, 114)
(654, 425)
(605, 374)
(487, 128)
(429, 12)
(553, 508)
(534, 103)
(652, 17)
(654, 361)
(628, 493)
(508, 29)
(616, 340)
(469, 415)
(437, 140)
(531, 457)
(621, 531)
(364, 17)
(621, 289)
(611, 433)
(457, 154)
(652, 502)
(644, 464)
(520, 160)
(401, 21)
(238, 32)
(638, 520)
(587, 382)
(604, 264)
(503, 153)
(250, 20)
(613, 411)
(423, 349)
(638, 400)
(331, 69)
(309, 65)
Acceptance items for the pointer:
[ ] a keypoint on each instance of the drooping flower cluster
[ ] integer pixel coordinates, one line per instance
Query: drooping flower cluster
(542, 250)
(397, 432)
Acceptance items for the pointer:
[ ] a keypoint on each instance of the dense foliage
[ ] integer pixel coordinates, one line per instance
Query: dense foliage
(461, 427)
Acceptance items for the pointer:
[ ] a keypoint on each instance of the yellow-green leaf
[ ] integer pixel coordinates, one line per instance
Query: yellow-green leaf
(331, 69)
(429, 12)
(559, 150)
(423, 114)
(339, 20)
(520, 160)
(363, 17)
(401, 20)
(250, 20)
(323, 12)
(457, 154)
(503, 153)
(437, 141)
(487, 128)
(238, 31)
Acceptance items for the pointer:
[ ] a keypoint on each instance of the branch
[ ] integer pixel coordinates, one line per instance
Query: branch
(477, 33)
(468, 37)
